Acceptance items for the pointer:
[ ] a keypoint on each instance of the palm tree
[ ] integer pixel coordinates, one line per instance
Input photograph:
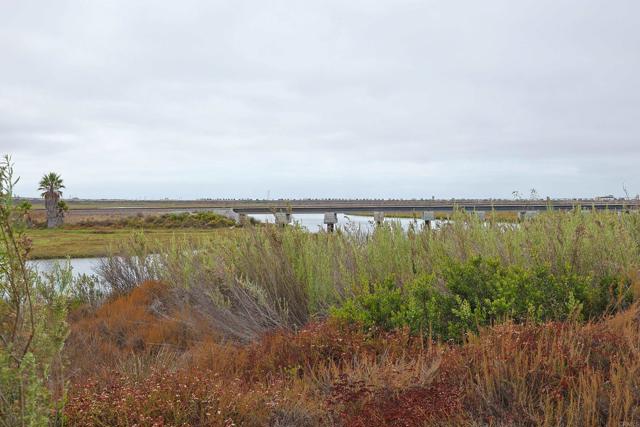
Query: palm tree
(51, 186)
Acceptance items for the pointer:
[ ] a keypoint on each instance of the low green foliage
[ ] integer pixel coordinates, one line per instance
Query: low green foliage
(480, 292)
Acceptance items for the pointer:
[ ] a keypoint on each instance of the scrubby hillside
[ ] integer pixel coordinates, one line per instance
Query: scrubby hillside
(141, 361)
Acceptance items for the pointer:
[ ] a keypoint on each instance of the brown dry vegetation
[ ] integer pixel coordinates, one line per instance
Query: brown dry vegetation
(143, 359)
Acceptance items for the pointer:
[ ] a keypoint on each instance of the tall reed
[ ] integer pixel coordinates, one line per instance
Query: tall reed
(272, 277)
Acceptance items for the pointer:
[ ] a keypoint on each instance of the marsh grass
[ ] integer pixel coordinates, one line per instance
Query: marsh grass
(332, 265)
(260, 278)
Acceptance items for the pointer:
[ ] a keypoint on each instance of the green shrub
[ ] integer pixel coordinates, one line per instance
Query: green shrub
(480, 292)
(379, 307)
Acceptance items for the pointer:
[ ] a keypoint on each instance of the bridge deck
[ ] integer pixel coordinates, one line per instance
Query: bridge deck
(342, 206)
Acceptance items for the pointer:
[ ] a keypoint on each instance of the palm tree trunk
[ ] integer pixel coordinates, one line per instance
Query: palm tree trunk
(54, 216)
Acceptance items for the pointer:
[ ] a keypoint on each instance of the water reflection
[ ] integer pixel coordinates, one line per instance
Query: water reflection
(79, 265)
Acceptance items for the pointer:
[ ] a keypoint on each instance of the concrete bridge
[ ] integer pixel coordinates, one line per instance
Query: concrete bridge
(425, 209)
(283, 209)
(323, 206)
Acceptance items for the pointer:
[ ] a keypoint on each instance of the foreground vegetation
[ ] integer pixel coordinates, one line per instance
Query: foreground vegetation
(472, 324)
(475, 323)
(334, 374)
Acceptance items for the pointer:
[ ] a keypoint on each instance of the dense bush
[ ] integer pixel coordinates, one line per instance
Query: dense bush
(480, 292)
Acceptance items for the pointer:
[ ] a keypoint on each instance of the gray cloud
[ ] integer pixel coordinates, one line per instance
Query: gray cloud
(385, 98)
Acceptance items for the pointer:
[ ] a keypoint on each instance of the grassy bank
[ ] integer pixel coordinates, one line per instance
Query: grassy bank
(97, 241)
(92, 236)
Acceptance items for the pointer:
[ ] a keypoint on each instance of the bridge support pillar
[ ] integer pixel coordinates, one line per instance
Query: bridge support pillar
(283, 218)
(428, 217)
(378, 217)
(330, 220)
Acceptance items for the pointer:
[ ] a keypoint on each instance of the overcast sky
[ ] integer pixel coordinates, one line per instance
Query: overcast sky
(446, 98)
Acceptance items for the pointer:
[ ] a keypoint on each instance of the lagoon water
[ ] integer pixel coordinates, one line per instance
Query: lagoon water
(315, 222)
(79, 265)
(312, 222)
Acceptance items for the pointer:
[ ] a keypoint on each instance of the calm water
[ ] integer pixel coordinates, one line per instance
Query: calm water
(79, 265)
(312, 222)
(315, 222)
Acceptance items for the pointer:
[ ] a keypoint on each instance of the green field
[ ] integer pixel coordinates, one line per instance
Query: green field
(81, 243)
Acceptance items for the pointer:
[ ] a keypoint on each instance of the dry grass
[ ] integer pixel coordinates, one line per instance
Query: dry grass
(132, 330)
(557, 374)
